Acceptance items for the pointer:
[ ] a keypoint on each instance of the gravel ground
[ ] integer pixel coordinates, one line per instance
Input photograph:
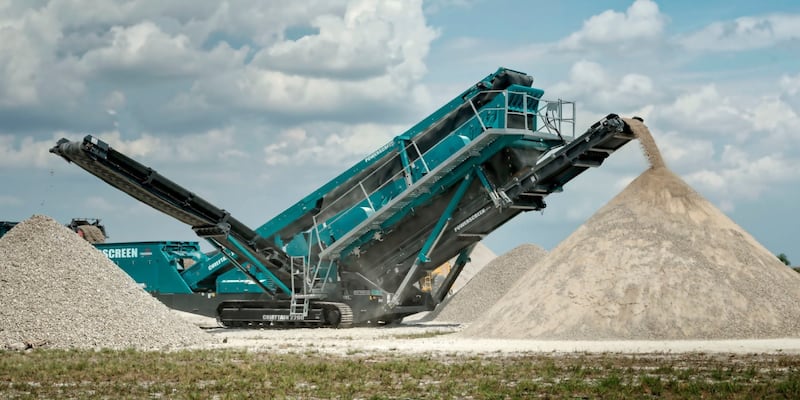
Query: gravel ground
(58, 291)
(658, 262)
(487, 286)
(443, 339)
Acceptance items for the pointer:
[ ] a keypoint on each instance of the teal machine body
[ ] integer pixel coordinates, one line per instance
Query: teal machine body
(354, 250)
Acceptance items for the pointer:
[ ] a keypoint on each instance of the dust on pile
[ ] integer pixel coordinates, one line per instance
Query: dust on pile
(58, 291)
(657, 262)
(487, 286)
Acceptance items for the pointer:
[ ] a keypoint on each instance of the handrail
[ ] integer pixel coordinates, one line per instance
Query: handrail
(544, 123)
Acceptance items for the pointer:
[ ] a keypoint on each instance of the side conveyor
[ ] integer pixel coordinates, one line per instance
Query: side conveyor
(155, 190)
(589, 150)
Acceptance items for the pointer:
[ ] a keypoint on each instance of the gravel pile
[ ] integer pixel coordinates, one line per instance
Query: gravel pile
(58, 291)
(658, 262)
(487, 286)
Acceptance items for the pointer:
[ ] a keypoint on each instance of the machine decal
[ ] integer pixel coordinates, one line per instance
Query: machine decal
(471, 218)
(127, 252)
(217, 263)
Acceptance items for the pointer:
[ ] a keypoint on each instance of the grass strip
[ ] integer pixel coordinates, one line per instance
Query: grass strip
(227, 374)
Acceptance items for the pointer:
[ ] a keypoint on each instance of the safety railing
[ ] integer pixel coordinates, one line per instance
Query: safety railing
(553, 117)
(516, 110)
(313, 281)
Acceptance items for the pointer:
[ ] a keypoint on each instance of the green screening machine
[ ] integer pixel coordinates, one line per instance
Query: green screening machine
(353, 251)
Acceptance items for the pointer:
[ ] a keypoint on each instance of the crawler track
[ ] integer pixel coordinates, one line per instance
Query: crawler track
(277, 315)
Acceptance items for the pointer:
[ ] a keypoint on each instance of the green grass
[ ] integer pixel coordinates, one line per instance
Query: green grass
(226, 374)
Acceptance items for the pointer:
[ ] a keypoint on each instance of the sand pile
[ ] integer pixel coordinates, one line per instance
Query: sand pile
(58, 291)
(487, 286)
(657, 262)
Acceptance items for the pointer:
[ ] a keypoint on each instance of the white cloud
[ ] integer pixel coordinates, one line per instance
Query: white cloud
(368, 40)
(52, 52)
(726, 144)
(17, 69)
(29, 152)
(774, 116)
(705, 110)
(684, 152)
(26, 152)
(733, 118)
(339, 147)
(592, 86)
(260, 22)
(790, 84)
(213, 145)
(270, 91)
(642, 21)
(706, 179)
(216, 145)
(370, 56)
(723, 143)
(636, 84)
(170, 67)
(27, 60)
(741, 175)
(144, 49)
(745, 33)
(144, 146)
(114, 101)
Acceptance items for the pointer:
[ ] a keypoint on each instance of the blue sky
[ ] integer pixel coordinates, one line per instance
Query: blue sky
(255, 104)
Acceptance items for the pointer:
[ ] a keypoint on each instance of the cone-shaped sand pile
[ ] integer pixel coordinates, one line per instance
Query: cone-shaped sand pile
(58, 291)
(657, 262)
(487, 286)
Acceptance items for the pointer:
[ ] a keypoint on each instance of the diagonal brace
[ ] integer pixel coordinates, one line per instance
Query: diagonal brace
(260, 266)
(433, 239)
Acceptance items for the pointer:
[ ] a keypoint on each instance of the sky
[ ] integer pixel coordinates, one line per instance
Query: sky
(253, 105)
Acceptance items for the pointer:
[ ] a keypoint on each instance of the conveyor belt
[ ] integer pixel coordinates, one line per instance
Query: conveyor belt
(589, 150)
(153, 189)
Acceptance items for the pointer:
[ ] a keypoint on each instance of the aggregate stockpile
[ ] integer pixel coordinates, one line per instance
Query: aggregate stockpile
(487, 286)
(657, 262)
(58, 291)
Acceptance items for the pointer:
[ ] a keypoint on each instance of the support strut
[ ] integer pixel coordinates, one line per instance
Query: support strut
(433, 239)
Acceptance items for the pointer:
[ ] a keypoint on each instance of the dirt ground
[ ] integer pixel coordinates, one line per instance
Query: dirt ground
(433, 338)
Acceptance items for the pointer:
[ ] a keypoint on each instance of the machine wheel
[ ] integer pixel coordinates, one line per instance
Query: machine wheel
(337, 315)
(333, 316)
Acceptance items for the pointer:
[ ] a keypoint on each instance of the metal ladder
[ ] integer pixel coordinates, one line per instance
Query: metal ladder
(313, 282)
(298, 306)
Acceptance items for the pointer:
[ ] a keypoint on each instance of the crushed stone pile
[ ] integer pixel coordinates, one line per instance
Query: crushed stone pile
(487, 286)
(58, 291)
(658, 262)
(481, 256)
